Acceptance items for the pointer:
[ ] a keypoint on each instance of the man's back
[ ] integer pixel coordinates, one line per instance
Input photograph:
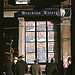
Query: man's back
(51, 68)
(35, 69)
(21, 67)
(8, 67)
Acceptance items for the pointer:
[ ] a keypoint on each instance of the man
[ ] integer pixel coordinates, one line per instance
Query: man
(8, 65)
(21, 66)
(13, 65)
(69, 70)
(35, 68)
(51, 68)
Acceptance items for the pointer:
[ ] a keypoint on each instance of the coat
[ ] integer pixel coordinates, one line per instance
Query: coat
(13, 68)
(69, 70)
(51, 69)
(21, 67)
(8, 68)
(35, 69)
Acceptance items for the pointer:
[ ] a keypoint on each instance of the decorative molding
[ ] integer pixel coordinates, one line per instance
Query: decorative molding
(66, 22)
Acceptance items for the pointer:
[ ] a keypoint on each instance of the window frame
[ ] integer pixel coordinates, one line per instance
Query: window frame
(46, 39)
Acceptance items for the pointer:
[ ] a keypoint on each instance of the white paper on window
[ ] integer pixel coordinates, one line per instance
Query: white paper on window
(41, 36)
(41, 25)
(41, 52)
(30, 57)
(30, 36)
(50, 25)
(30, 47)
(50, 46)
(30, 25)
(50, 36)
(50, 56)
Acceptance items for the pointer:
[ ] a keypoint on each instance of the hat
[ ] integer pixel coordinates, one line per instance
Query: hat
(21, 56)
(36, 60)
(53, 59)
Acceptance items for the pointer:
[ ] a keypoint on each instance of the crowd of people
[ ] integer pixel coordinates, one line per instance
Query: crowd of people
(20, 67)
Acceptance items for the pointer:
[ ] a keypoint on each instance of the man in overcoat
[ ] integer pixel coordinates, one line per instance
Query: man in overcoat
(51, 68)
(21, 67)
(69, 69)
(35, 68)
(8, 66)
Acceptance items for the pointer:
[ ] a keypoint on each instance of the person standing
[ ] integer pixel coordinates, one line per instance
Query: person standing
(51, 68)
(35, 68)
(8, 66)
(69, 70)
(21, 67)
(13, 65)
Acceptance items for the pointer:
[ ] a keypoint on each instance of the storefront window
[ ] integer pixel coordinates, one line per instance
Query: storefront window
(40, 41)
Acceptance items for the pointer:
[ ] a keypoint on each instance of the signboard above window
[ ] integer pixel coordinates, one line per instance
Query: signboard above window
(21, 2)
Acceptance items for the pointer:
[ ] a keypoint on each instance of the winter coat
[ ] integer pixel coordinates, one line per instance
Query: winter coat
(51, 69)
(21, 68)
(8, 67)
(35, 69)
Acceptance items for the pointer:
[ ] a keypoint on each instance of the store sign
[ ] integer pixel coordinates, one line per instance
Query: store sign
(41, 13)
(21, 2)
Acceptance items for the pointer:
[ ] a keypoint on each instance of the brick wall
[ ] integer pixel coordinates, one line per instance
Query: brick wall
(66, 40)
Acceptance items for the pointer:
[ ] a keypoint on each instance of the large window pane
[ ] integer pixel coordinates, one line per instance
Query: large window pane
(41, 36)
(30, 26)
(41, 25)
(30, 57)
(30, 47)
(30, 36)
(41, 52)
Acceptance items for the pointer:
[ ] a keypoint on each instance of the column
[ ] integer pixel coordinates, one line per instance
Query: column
(21, 37)
(66, 39)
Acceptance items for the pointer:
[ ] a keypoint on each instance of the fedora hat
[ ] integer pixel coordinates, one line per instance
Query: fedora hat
(21, 56)
(36, 60)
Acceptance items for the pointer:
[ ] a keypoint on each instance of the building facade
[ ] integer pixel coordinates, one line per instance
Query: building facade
(42, 34)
